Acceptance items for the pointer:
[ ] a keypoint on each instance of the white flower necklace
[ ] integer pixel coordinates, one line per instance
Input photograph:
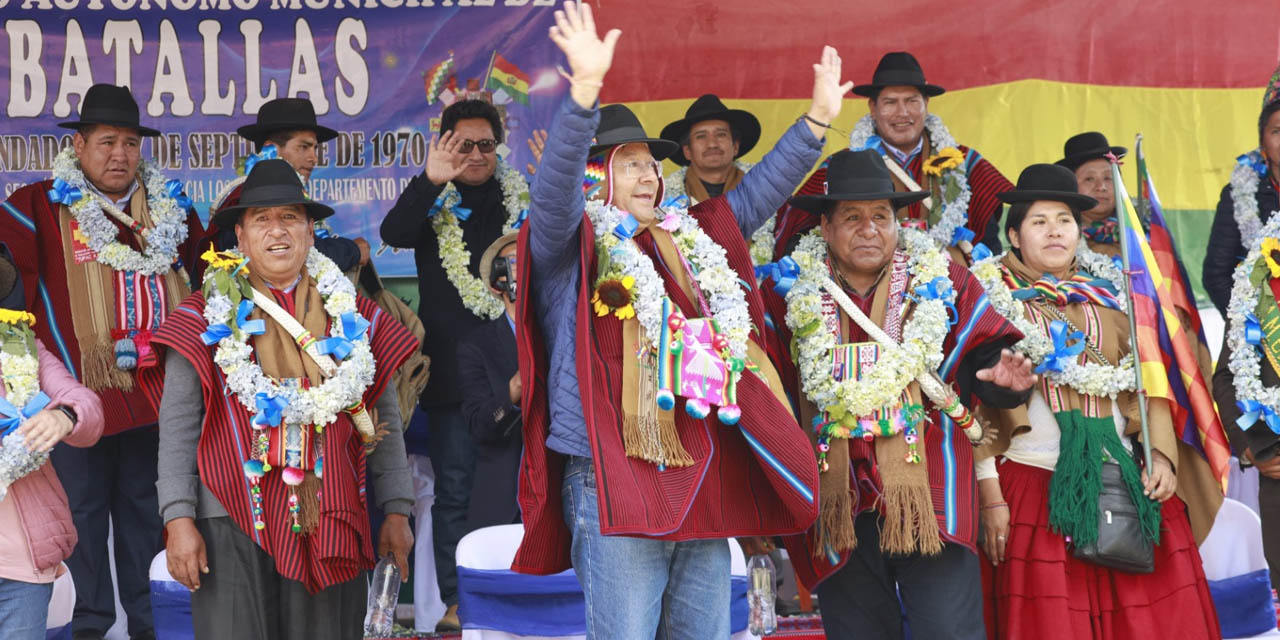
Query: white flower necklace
(1091, 378)
(454, 255)
(718, 282)
(1246, 361)
(19, 365)
(897, 366)
(1244, 196)
(762, 240)
(161, 241)
(318, 405)
(955, 211)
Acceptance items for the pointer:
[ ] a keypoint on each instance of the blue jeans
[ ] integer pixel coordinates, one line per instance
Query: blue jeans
(24, 609)
(640, 588)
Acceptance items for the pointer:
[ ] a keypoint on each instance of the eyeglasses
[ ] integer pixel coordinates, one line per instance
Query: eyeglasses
(486, 146)
(638, 168)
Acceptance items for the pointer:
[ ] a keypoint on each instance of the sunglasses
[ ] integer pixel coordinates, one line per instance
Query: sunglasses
(486, 146)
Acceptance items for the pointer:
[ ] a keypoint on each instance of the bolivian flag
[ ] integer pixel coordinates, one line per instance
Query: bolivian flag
(508, 77)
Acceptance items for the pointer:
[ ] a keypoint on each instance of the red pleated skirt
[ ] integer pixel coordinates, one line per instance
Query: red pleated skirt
(1042, 592)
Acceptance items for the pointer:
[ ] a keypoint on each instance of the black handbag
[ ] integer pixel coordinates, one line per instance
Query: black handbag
(1121, 544)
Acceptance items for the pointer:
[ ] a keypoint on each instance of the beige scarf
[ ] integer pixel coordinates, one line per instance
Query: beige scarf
(92, 289)
(698, 192)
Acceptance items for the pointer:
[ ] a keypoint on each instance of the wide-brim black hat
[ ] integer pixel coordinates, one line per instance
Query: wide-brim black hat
(618, 125)
(285, 114)
(1048, 182)
(709, 107)
(271, 183)
(898, 68)
(857, 175)
(110, 105)
(1087, 146)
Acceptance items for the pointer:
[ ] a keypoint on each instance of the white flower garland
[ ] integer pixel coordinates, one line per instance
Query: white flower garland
(717, 280)
(761, 243)
(454, 256)
(955, 212)
(922, 335)
(1244, 199)
(20, 371)
(1090, 378)
(319, 405)
(161, 242)
(1246, 362)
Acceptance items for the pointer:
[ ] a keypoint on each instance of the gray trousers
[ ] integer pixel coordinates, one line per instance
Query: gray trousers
(243, 597)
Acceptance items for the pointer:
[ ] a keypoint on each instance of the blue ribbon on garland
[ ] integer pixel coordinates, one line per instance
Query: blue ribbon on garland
(1067, 344)
(268, 152)
(1252, 410)
(174, 189)
(251, 327)
(353, 328)
(1252, 330)
(270, 408)
(13, 417)
(521, 218)
(939, 289)
(452, 200)
(1254, 161)
(64, 193)
(676, 202)
(873, 143)
(627, 227)
(783, 272)
(962, 234)
(981, 252)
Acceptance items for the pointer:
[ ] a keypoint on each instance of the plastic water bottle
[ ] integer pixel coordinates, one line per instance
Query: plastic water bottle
(384, 595)
(761, 596)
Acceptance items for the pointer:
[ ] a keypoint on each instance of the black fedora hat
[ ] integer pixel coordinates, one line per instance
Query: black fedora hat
(709, 107)
(271, 183)
(1048, 182)
(618, 125)
(898, 68)
(857, 175)
(285, 114)
(110, 105)
(1086, 146)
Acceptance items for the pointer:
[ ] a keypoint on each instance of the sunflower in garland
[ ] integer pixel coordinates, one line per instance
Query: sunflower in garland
(613, 294)
(944, 160)
(1271, 252)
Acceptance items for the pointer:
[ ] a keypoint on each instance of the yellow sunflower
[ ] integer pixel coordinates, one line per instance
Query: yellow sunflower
(1271, 252)
(614, 294)
(9, 316)
(225, 260)
(945, 159)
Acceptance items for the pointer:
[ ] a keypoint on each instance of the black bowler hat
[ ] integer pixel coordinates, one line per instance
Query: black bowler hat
(271, 183)
(285, 114)
(898, 68)
(618, 125)
(857, 175)
(709, 107)
(1084, 147)
(1048, 182)
(110, 105)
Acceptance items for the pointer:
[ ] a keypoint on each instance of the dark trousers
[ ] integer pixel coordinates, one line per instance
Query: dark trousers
(941, 595)
(113, 481)
(244, 597)
(453, 459)
(1269, 510)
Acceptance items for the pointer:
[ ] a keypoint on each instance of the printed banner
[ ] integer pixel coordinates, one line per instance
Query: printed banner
(378, 72)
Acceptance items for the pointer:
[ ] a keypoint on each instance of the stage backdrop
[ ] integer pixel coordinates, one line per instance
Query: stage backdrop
(1021, 77)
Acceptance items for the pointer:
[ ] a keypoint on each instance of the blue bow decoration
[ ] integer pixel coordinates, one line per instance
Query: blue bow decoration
(1252, 410)
(270, 408)
(981, 252)
(873, 143)
(63, 193)
(1254, 161)
(215, 333)
(520, 219)
(251, 327)
(1252, 330)
(1065, 346)
(626, 228)
(12, 417)
(353, 327)
(268, 152)
(452, 200)
(783, 272)
(940, 289)
(322, 232)
(676, 202)
(962, 234)
(174, 189)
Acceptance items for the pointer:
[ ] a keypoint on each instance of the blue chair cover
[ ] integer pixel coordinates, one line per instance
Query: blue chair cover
(171, 611)
(1244, 604)
(61, 633)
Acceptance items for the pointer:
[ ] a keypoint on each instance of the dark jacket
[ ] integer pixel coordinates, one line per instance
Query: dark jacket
(486, 363)
(1225, 249)
(1257, 437)
(440, 307)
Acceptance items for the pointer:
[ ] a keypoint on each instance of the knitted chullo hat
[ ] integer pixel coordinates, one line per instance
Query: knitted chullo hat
(1272, 92)
(597, 180)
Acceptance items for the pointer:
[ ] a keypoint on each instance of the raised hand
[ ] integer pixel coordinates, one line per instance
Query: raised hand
(1012, 371)
(589, 56)
(537, 143)
(444, 161)
(828, 92)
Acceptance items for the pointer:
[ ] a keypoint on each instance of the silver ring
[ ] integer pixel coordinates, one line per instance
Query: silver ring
(999, 537)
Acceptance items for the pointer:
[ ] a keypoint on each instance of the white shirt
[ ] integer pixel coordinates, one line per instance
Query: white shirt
(122, 202)
(1038, 447)
(903, 157)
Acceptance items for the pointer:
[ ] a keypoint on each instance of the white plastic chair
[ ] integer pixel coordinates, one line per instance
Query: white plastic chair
(62, 603)
(493, 549)
(173, 614)
(1234, 547)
